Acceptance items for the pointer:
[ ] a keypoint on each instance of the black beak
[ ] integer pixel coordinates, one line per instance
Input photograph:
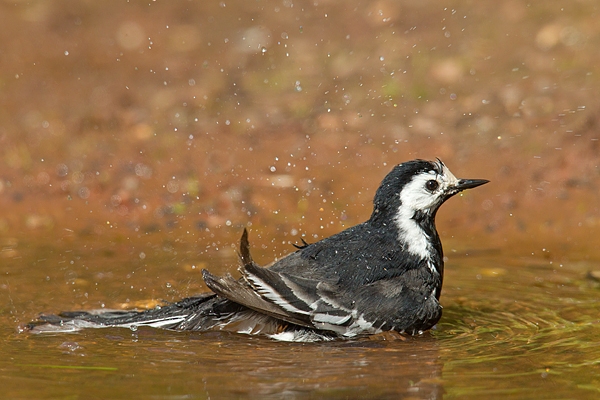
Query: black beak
(464, 184)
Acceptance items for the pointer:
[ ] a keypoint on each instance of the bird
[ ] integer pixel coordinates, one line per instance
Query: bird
(384, 274)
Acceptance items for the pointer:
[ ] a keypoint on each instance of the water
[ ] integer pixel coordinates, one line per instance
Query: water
(524, 328)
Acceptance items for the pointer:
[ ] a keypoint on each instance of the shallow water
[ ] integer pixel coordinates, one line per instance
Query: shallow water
(511, 327)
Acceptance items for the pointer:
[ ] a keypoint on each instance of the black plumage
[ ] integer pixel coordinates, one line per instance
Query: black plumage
(383, 274)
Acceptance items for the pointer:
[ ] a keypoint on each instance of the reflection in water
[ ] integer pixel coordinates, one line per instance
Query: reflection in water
(373, 368)
(224, 365)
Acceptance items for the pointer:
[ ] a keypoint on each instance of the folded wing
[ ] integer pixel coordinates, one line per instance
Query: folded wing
(305, 302)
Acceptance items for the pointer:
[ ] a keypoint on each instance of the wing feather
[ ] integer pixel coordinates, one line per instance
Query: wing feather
(309, 297)
(241, 293)
(302, 301)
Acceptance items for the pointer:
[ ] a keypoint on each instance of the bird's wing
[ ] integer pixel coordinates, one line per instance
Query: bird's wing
(240, 292)
(290, 298)
(306, 302)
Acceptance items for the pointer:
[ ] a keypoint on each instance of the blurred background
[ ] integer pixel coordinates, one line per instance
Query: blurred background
(143, 126)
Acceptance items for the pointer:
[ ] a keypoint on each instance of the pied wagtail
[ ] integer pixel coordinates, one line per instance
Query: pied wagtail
(382, 275)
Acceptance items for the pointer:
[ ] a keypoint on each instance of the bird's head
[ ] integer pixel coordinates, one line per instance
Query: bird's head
(417, 189)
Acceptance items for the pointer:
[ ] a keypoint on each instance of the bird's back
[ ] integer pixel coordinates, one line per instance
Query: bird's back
(356, 256)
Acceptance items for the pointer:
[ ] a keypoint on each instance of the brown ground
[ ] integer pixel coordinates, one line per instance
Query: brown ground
(171, 118)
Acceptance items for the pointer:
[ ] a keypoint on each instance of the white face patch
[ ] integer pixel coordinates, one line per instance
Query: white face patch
(417, 196)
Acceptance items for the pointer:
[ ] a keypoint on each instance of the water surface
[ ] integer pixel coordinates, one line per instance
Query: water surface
(524, 328)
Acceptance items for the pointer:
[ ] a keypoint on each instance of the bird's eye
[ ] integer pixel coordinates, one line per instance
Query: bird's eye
(432, 185)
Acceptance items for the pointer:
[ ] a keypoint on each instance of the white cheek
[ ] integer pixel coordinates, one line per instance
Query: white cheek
(416, 197)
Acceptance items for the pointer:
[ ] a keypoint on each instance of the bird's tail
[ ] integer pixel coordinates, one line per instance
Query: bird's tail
(169, 316)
